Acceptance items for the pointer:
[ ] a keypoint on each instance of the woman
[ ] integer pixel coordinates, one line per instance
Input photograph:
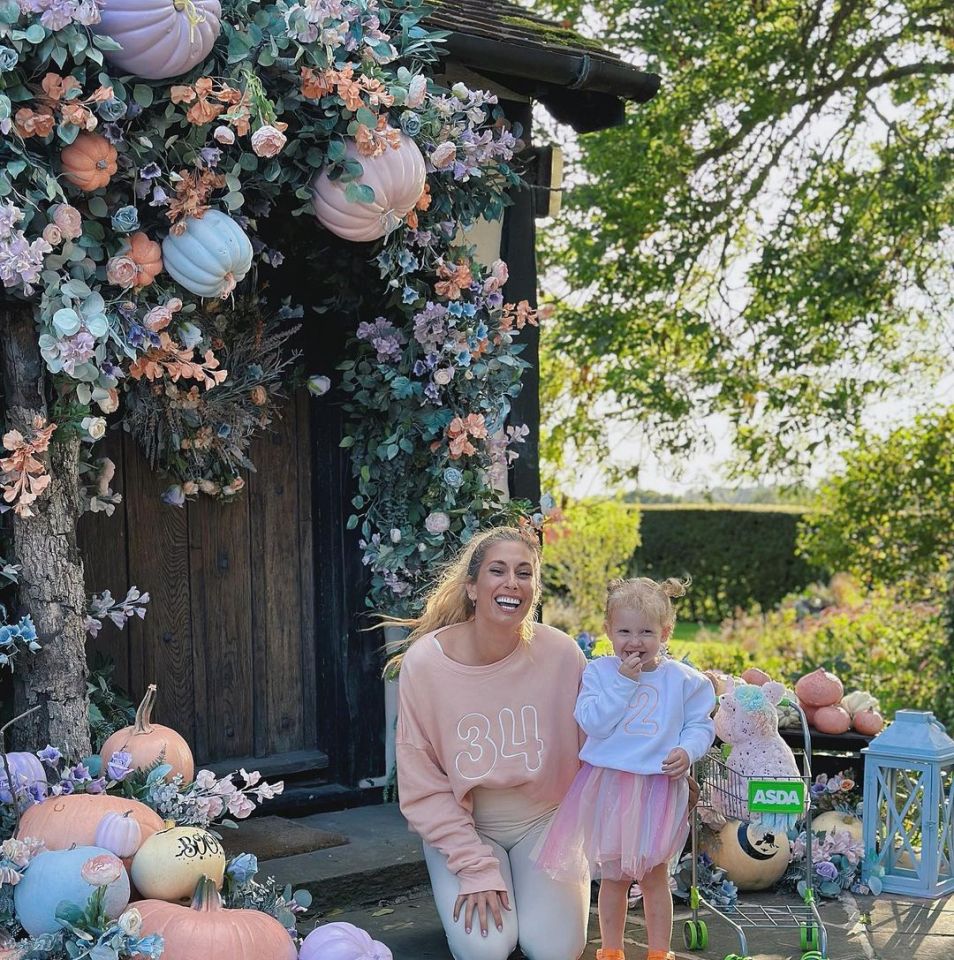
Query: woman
(486, 749)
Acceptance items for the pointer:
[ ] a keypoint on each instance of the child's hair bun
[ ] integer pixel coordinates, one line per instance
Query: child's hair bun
(674, 587)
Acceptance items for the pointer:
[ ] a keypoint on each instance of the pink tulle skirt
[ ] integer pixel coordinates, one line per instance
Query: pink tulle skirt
(613, 825)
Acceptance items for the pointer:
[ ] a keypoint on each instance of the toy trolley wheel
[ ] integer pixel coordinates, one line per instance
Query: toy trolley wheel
(735, 956)
(808, 937)
(813, 955)
(696, 935)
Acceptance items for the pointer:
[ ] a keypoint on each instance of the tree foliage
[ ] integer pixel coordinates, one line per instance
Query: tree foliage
(765, 239)
(888, 517)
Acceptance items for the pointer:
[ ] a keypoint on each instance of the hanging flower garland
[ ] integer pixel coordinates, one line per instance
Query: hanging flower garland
(110, 186)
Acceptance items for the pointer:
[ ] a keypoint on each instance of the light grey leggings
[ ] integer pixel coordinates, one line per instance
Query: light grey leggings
(547, 918)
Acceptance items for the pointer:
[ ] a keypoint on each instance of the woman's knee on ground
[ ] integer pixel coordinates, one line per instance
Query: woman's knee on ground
(554, 944)
(473, 946)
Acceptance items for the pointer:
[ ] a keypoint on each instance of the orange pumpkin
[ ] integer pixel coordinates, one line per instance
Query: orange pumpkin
(89, 162)
(207, 929)
(147, 255)
(62, 822)
(147, 742)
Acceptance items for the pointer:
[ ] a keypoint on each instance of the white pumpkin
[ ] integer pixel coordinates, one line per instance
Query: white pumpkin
(833, 821)
(753, 859)
(171, 862)
(210, 256)
(159, 38)
(397, 178)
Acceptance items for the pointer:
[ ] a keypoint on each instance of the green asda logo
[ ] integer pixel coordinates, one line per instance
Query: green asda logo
(776, 796)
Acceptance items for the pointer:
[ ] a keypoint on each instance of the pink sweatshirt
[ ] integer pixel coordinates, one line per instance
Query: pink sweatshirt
(508, 725)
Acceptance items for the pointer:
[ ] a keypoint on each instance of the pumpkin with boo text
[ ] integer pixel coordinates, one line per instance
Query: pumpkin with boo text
(159, 38)
(397, 178)
(171, 862)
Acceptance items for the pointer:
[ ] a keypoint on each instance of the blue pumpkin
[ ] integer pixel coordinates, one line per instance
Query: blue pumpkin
(57, 875)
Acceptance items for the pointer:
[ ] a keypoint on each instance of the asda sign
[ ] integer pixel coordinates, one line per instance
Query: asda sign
(777, 796)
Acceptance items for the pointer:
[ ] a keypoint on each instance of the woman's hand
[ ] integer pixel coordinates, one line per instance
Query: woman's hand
(676, 763)
(480, 903)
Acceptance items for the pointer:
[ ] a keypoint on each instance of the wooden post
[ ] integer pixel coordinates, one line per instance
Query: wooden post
(51, 577)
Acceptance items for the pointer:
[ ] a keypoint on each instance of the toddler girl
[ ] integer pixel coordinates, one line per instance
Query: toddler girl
(647, 719)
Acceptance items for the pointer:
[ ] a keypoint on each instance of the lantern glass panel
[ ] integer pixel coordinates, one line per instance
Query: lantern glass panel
(901, 796)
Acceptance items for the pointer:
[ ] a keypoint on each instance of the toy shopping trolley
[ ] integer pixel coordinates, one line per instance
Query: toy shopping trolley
(726, 792)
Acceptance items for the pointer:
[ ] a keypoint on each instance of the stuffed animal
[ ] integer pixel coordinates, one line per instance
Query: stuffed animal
(747, 721)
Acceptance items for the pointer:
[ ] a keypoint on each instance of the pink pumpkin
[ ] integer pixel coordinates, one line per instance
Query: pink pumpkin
(868, 722)
(832, 719)
(397, 178)
(342, 941)
(819, 688)
(159, 38)
(755, 676)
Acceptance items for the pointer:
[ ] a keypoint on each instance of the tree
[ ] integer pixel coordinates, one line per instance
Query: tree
(888, 516)
(106, 153)
(766, 238)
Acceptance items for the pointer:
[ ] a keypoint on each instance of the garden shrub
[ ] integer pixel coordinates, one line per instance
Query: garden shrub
(589, 543)
(881, 643)
(737, 556)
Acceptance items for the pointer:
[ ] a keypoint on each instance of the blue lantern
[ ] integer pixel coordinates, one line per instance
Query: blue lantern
(908, 805)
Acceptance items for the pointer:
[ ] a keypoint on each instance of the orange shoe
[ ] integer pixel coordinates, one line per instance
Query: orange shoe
(661, 955)
(610, 955)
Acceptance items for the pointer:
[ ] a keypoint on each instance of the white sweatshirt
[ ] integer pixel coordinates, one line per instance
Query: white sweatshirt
(632, 725)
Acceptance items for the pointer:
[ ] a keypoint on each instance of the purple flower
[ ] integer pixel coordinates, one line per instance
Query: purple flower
(159, 197)
(174, 496)
(818, 789)
(210, 156)
(826, 870)
(96, 786)
(80, 774)
(150, 171)
(50, 755)
(119, 766)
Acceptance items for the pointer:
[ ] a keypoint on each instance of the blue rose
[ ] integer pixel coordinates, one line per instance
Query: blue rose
(410, 123)
(8, 59)
(453, 477)
(243, 868)
(126, 219)
(112, 109)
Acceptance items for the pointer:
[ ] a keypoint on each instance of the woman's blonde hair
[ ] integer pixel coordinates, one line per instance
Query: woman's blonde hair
(448, 603)
(647, 596)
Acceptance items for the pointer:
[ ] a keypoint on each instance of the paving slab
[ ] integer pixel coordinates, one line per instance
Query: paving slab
(859, 929)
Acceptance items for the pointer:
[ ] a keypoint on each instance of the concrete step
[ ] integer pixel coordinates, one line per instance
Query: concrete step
(382, 859)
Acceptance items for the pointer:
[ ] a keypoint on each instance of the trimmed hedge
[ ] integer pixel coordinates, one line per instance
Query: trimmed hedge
(737, 556)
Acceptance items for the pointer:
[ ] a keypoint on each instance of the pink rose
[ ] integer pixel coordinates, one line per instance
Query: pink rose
(416, 91)
(109, 403)
(224, 135)
(437, 522)
(102, 870)
(69, 220)
(52, 234)
(209, 487)
(268, 141)
(190, 488)
(122, 271)
(499, 275)
(443, 155)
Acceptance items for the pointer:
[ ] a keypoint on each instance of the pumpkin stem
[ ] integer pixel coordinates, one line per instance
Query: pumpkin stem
(144, 711)
(206, 898)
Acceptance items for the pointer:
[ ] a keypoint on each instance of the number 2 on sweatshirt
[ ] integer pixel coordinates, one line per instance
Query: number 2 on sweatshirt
(485, 748)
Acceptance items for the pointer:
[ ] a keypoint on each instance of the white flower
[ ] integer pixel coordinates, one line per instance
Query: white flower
(395, 535)
(95, 427)
(318, 386)
(223, 134)
(416, 91)
(131, 922)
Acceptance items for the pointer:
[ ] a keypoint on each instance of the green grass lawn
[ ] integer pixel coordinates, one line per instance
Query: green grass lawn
(690, 632)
